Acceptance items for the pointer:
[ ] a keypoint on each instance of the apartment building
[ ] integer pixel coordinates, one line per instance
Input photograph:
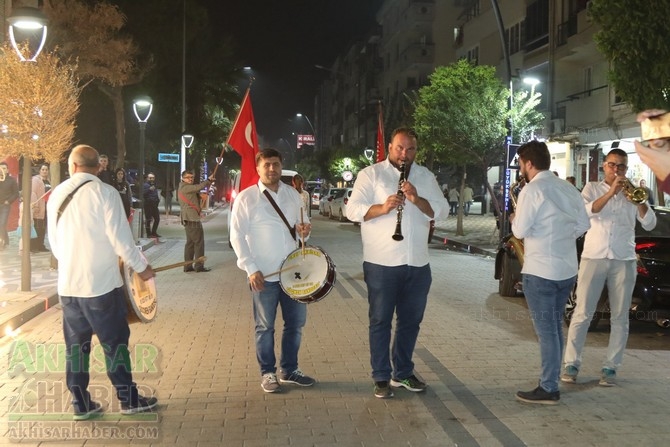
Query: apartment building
(549, 40)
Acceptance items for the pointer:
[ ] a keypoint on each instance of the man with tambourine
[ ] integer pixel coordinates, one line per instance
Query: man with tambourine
(266, 219)
(88, 233)
(396, 193)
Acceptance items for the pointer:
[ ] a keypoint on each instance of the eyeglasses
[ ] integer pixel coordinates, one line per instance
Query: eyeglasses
(620, 166)
(188, 176)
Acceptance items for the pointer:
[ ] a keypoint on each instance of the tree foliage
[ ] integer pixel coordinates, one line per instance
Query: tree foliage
(633, 38)
(39, 103)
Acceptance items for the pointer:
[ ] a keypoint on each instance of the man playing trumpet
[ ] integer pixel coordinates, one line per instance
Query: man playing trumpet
(608, 258)
(395, 266)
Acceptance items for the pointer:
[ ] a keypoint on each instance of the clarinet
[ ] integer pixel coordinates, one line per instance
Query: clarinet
(397, 236)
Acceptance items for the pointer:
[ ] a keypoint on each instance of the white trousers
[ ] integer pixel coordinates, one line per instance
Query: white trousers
(593, 275)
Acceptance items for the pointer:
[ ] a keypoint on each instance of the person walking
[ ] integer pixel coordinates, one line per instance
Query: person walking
(298, 184)
(188, 195)
(549, 217)
(123, 187)
(608, 258)
(468, 197)
(90, 285)
(41, 185)
(453, 201)
(265, 223)
(397, 272)
(152, 216)
(9, 193)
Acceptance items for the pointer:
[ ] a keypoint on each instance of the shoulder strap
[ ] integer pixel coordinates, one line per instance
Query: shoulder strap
(188, 202)
(278, 210)
(68, 199)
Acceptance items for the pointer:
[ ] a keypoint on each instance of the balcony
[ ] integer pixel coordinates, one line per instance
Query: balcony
(418, 12)
(416, 54)
(565, 30)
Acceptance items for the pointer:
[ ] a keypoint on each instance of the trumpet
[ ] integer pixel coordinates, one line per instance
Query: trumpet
(397, 236)
(633, 193)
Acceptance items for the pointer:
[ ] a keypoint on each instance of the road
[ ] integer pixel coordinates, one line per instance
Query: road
(475, 351)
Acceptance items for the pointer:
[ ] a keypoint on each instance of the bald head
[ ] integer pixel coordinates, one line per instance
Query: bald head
(83, 158)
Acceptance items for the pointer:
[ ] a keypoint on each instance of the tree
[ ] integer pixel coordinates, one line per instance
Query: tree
(633, 38)
(92, 34)
(39, 103)
(461, 118)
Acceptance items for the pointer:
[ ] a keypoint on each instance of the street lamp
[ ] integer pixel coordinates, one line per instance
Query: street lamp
(186, 142)
(300, 115)
(27, 20)
(528, 80)
(142, 106)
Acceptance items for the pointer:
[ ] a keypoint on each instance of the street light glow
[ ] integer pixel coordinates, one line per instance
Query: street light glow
(143, 105)
(27, 19)
(531, 81)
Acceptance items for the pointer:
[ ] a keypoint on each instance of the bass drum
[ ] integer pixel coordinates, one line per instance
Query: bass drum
(307, 277)
(141, 297)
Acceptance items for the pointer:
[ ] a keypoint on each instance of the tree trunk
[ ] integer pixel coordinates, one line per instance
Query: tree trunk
(115, 95)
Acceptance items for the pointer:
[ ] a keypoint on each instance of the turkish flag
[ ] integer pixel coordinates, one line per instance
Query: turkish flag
(244, 140)
(381, 150)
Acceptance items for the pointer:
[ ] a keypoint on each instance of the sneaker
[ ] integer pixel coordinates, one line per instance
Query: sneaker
(298, 378)
(142, 404)
(93, 408)
(569, 374)
(269, 383)
(607, 377)
(411, 383)
(383, 390)
(539, 396)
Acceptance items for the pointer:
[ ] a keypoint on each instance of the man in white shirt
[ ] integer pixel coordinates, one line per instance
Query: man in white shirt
(397, 272)
(88, 235)
(262, 241)
(549, 217)
(608, 258)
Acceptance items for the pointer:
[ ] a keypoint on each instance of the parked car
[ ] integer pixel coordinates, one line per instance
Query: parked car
(651, 294)
(326, 198)
(338, 206)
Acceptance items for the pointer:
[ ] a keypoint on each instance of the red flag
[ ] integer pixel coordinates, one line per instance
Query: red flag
(381, 150)
(244, 140)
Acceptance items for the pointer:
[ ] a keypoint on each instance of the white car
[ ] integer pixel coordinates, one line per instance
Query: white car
(326, 198)
(338, 206)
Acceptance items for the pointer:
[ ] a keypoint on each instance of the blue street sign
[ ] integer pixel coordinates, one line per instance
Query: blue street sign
(168, 158)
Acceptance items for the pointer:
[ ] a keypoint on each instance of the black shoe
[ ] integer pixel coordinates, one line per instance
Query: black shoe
(142, 404)
(539, 396)
(156, 235)
(203, 269)
(82, 415)
(188, 269)
(383, 390)
(411, 383)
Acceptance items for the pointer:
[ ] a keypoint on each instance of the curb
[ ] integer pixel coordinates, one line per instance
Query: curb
(463, 247)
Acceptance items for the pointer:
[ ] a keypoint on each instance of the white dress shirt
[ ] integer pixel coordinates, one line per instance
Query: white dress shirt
(612, 233)
(258, 235)
(373, 186)
(90, 237)
(549, 217)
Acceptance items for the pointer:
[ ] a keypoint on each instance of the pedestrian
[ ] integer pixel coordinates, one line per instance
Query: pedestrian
(188, 195)
(122, 186)
(262, 237)
(298, 183)
(468, 194)
(549, 217)
(40, 187)
(453, 201)
(105, 173)
(396, 272)
(654, 151)
(650, 197)
(90, 285)
(152, 216)
(9, 193)
(608, 258)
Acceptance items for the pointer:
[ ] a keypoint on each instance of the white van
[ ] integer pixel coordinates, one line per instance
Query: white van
(286, 177)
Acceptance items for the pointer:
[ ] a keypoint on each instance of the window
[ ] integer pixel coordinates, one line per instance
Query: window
(473, 56)
(515, 37)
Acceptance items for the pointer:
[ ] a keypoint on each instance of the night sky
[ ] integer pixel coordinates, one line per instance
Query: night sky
(282, 41)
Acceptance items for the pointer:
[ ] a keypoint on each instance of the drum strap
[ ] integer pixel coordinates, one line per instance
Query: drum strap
(278, 210)
(67, 200)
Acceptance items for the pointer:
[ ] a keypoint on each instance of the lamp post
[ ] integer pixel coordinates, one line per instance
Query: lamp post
(186, 142)
(532, 82)
(27, 20)
(142, 106)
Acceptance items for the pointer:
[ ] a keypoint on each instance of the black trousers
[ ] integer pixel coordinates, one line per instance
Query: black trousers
(195, 242)
(151, 214)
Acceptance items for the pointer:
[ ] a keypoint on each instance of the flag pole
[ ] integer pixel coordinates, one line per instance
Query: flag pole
(239, 112)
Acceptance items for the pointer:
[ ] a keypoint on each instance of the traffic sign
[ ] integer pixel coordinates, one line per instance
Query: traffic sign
(168, 158)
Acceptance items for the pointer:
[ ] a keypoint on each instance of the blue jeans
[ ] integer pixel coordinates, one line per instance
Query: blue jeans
(265, 311)
(404, 290)
(104, 315)
(546, 301)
